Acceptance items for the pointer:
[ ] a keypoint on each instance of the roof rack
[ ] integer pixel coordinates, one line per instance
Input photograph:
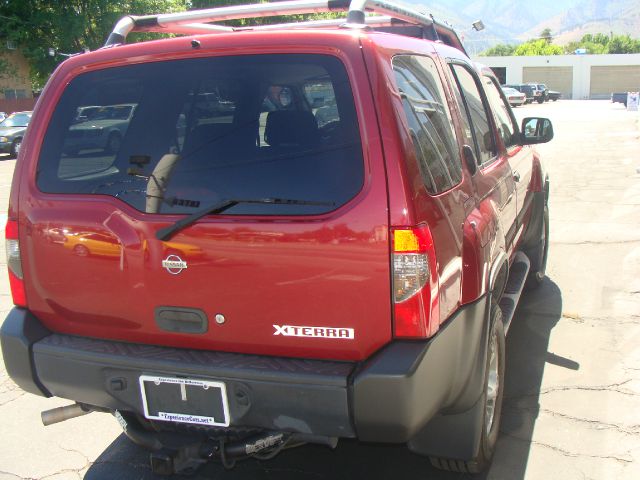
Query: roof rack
(391, 17)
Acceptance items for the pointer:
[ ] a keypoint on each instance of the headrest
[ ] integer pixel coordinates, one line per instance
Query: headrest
(291, 128)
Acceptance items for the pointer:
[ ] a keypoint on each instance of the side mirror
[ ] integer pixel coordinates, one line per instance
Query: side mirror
(536, 130)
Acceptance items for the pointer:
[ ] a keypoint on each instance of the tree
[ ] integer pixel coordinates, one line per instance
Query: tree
(501, 50)
(70, 26)
(67, 26)
(546, 35)
(601, 43)
(589, 45)
(537, 47)
(624, 44)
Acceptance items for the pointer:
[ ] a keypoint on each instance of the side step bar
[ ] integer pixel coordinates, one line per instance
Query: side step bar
(515, 284)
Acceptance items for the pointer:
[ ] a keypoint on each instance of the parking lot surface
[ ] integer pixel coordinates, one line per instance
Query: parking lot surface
(572, 395)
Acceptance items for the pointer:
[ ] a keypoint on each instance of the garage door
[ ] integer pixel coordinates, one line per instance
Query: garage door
(559, 79)
(615, 78)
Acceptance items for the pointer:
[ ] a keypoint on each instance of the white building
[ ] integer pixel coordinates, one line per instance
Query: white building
(575, 76)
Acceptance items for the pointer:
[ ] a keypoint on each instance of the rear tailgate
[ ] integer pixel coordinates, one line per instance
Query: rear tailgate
(277, 279)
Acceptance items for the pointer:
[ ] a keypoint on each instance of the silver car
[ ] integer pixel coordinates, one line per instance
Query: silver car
(12, 131)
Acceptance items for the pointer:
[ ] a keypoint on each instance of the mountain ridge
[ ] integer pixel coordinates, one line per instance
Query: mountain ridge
(520, 20)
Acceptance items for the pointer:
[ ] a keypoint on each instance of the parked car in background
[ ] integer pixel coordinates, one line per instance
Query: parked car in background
(553, 95)
(99, 127)
(619, 98)
(514, 97)
(12, 131)
(528, 90)
(540, 92)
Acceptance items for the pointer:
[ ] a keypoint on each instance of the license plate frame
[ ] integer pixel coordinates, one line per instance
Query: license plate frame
(184, 400)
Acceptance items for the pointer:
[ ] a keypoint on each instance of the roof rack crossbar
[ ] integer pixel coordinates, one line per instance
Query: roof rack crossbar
(196, 21)
(167, 22)
(382, 7)
(371, 21)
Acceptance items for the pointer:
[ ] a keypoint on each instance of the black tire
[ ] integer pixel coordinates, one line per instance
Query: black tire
(15, 147)
(538, 255)
(540, 100)
(113, 142)
(492, 402)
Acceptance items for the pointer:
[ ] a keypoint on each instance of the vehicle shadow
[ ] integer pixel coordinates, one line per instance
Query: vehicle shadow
(527, 355)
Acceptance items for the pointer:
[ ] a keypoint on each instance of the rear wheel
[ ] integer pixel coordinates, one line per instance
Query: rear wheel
(15, 147)
(492, 401)
(114, 142)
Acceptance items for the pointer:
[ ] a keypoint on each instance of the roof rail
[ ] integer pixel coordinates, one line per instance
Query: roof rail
(391, 17)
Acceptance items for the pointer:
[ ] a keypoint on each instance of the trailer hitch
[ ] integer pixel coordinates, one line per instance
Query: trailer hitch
(187, 458)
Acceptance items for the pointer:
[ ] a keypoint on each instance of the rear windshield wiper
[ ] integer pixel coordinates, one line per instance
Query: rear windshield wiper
(166, 233)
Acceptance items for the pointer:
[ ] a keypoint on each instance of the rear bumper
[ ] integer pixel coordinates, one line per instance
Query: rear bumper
(387, 398)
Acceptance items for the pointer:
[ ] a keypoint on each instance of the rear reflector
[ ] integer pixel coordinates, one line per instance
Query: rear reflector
(414, 283)
(14, 264)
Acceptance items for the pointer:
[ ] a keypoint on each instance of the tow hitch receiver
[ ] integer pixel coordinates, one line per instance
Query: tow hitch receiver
(186, 458)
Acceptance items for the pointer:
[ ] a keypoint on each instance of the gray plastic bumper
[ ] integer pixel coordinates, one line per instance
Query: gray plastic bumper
(389, 397)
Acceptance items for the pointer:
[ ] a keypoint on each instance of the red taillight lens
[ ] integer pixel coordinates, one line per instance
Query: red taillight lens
(14, 264)
(415, 293)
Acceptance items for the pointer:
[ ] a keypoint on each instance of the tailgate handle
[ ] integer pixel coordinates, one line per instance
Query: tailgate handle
(181, 320)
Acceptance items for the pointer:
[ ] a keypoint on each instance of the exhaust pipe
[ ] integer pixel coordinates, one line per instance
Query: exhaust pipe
(60, 414)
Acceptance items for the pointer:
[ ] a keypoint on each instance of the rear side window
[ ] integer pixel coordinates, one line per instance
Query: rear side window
(171, 137)
(429, 120)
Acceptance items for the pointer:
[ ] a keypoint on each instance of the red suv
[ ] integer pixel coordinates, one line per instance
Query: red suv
(304, 232)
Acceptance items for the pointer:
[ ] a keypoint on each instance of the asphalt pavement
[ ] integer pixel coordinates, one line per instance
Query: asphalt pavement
(572, 394)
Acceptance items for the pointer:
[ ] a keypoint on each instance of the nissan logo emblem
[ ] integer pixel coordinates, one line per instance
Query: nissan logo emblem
(174, 264)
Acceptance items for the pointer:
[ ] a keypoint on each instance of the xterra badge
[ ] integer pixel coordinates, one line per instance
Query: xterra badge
(174, 264)
(315, 332)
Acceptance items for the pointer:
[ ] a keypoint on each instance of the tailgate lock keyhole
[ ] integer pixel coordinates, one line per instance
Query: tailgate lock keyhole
(220, 319)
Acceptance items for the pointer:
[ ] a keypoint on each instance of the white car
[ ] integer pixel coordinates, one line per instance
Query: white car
(514, 97)
(99, 127)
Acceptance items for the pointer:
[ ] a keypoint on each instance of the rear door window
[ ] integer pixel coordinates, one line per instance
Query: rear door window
(174, 136)
(478, 129)
(430, 123)
(505, 122)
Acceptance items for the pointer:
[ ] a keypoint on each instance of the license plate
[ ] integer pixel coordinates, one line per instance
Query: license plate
(184, 400)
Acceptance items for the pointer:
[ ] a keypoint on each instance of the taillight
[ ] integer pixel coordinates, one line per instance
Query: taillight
(415, 293)
(14, 264)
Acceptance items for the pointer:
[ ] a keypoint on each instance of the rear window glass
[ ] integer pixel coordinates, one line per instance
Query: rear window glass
(173, 137)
